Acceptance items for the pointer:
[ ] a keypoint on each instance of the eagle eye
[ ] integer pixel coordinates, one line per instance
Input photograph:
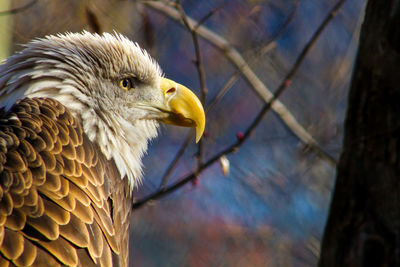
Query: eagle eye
(127, 84)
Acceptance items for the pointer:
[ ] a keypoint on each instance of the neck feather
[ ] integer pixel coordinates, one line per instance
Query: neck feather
(123, 141)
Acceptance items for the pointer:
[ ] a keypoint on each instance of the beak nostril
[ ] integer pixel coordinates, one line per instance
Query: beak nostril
(171, 90)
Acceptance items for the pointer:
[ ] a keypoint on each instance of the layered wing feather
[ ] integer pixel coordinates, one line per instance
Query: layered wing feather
(57, 192)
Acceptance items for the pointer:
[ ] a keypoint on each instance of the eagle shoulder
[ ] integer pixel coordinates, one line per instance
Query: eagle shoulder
(57, 191)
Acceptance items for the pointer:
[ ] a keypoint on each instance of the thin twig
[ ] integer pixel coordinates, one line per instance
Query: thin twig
(200, 70)
(18, 9)
(209, 15)
(228, 85)
(265, 48)
(176, 159)
(234, 147)
(199, 67)
(93, 20)
(259, 87)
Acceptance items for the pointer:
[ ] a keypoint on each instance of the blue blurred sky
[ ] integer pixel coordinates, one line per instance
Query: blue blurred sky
(273, 181)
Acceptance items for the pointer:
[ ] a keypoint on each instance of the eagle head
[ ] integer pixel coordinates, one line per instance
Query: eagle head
(111, 85)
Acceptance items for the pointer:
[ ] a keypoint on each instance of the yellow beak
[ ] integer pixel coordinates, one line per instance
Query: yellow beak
(183, 107)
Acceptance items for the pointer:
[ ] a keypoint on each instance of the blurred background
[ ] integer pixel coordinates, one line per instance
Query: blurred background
(271, 208)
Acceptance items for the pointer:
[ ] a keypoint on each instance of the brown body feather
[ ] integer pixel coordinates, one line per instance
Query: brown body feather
(61, 201)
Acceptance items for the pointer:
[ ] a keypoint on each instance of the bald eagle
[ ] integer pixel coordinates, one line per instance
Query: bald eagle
(77, 113)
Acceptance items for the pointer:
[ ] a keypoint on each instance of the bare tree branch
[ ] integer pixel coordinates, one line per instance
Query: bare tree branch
(259, 87)
(240, 141)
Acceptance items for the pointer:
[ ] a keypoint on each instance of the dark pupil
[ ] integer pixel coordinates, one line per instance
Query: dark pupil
(125, 82)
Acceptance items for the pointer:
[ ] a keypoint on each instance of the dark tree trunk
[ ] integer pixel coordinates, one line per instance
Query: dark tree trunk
(363, 227)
